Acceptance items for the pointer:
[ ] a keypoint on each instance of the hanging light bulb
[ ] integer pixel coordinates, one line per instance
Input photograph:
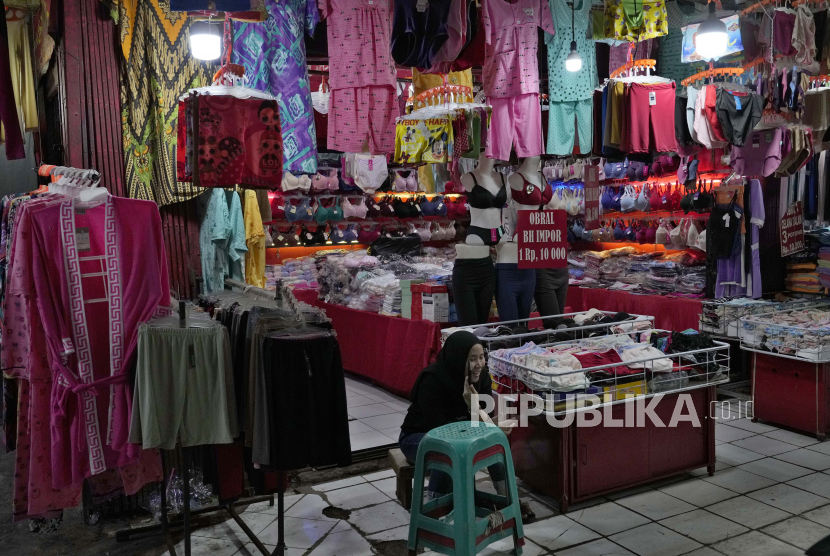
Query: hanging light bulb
(711, 38)
(574, 61)
(205, 44)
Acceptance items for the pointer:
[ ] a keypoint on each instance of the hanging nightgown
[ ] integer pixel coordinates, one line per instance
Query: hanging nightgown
(91, 327)
(273, 53)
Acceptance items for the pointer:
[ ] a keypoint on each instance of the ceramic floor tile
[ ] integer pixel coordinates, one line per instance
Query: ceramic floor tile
(368, 440)
(705, 551)
(756, 544)
(730, 434)
(342, 483)
(341, 526)
(358, 496)
(396, 534)
(764, 445)
(775, 469)
(389, 486)
(266, 508)
(655, 504)
(231, 530)
(792, 437)
(748, 425)
(387, 421)
(748, 512)
(806, 458)
(556, 533)
(655, 540)
(739, 480)
(541, 510)
(204, 546)
(385, 474)
(310, 507)
(704, 527)
(698, 492)
(504, 547)
(382, 396)
(789, 498)
(359, 400)
(819, 515)
(735, 455)
(608, 518)
(379, 518)
(823, 447)
(356, 427)
(798, 531)
(602, 547)
(398, 406)
(704, 471)
(628, 492)
(394, 433)
(371, 410)
(250, 549)
(347, 543)
(299, 533)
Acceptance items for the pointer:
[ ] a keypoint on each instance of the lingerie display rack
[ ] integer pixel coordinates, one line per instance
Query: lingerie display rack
(635, 66)
(712, 74)
(790, 341)
(729, 315)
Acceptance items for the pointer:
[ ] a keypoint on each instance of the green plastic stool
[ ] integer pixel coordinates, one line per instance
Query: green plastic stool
(454, 524)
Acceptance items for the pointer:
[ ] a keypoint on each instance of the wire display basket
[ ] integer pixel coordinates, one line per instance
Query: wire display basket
(551, 335)
(802, 334)
(565, 390)
(721, 317)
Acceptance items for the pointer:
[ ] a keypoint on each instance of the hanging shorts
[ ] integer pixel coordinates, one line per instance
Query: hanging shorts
(361, 116)
(650, 123)
(561, 126)
(516, 122)
(183, 388)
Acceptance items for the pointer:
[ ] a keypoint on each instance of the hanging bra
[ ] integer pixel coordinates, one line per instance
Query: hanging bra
(372, 208)
(422, 230)
(630, 233)
(636, 171)
(436, 207)
(292, 183)
(641, 235)
(480, 198)
(354, 210)
(367, 235)
(686, 202)
(403, 209)
(619, 233)
(610, 199)
(531, 195)
(278, 207)
(701, 241)
(702, 201)
(655, 198)
(385, 206)
(303, 211)
(406, 180)
(571, 201)
(457, 208)
(578, 229)
(615, 170)
(317, 237)
(693, 235)
(331, 213)
(651, 235)
(627, 199)
(286, 238)
(345, 235)
(325, 180)
(641, 203)
(557, 198)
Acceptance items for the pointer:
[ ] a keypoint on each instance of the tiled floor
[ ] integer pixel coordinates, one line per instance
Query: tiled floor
(770, 497)
(375, 415)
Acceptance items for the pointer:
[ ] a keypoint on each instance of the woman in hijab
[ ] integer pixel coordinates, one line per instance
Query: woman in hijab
(442, 395)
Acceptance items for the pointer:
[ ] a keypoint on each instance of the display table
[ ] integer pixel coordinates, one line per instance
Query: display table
(572, 464)
(791, 392)
(391, 351)
(670, 313)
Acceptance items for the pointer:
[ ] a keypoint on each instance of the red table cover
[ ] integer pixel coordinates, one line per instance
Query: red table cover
(391, 351)
(670, 313)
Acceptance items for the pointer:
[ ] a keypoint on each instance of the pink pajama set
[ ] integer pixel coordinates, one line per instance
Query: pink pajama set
(363, 104)
(511, 75)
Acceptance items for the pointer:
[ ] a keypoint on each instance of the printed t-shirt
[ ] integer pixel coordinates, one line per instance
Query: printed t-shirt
(255, 240)
(423, 140)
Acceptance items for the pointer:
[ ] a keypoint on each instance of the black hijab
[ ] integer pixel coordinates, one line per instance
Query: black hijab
(450, 366)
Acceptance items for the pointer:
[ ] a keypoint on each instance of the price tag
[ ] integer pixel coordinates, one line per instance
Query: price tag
(80, 211)
(191, 353)
(737, 102)
(293, 210)
(756, 141)
(280, 238)
(769, 137)
(82, 239)
(652, 98)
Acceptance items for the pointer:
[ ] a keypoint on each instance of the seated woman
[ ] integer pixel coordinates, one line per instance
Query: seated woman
(442, 395)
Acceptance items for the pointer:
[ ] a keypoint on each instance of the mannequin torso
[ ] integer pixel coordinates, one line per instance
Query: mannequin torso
(529, 174)
(463, 251)
(484, 176)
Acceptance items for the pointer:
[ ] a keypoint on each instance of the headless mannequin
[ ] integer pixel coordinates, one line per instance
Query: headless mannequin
(473, 275)
(514, 286)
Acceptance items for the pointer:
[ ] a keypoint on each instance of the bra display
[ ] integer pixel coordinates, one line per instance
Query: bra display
(385, 207)
(405, 208)
(436, 207)
(372, 207)
(325, 180)
(278, 207)
(367, 234)
(530, 194)
(406, 180)
(328, 213)
(317, 237)
(354, 210)
(292, 183)
(641, 203)
(481, 198)
(636, 171)
(298, 212)
(627, 199)
(286, 237)
(611, 199)
(456, 208)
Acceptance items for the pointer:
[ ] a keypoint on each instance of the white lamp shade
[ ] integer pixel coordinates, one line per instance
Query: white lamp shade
(574, 61)
(711, 44)
(205, 47)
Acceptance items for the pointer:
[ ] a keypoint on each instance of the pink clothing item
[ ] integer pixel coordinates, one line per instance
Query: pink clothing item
(457, 31)
(89, 363)
(363, 115)
(510, 65)
(359, 32)
(516, 122)
(650, 124)
(760, 155)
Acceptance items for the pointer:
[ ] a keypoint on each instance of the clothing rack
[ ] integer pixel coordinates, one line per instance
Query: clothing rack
(711, 74)
(625, 69)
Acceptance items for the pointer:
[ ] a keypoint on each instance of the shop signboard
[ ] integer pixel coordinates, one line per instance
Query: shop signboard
(543, 238)
(590, 176)
(792, 230)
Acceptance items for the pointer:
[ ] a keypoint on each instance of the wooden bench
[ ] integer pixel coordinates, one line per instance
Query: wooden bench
(405, 473)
